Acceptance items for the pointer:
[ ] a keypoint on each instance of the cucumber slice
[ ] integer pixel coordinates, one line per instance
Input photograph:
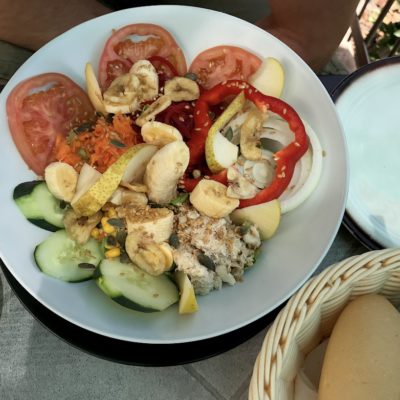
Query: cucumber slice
(25, 188)
(39, 206)
(59, 256)
(133, 288)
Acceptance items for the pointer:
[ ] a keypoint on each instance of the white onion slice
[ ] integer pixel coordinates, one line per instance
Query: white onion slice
(308, 169)
(301, 187)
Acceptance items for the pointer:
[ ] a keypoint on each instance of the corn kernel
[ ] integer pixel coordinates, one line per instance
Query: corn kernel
(95, 233)
(111, 213)
(115, 252)
(106, 226)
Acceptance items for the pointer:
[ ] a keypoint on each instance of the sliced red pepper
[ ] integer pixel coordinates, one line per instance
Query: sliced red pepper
(179, 115)
(164, 68)
(286, 158)
(202, 124)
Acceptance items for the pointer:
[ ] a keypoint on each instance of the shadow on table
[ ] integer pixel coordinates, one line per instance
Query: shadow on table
(345, 245)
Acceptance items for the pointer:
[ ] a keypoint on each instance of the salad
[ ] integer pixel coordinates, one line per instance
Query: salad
(160, 182)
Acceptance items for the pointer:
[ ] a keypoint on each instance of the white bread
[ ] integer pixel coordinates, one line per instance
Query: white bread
(362, 361)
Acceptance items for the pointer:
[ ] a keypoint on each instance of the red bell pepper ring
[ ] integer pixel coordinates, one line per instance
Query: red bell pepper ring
(286, 158)
(165, 70)
(202, 124)
(179, 115)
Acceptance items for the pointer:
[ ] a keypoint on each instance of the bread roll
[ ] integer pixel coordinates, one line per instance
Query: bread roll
(362, 361)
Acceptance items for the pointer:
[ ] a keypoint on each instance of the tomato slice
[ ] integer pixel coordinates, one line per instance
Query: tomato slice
(120, 52)
(40, 108)
(221, 63)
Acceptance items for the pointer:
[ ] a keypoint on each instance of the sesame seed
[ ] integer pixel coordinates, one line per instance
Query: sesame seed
(181, 119)
(297, 144)
(284, 167)
(197, 112)
(284, 110)
(197, 129)
(187, 107)
(196, 173)
(206, 124)
(190, 115)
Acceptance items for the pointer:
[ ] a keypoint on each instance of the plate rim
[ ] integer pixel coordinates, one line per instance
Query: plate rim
(364, 237)
(296, 286)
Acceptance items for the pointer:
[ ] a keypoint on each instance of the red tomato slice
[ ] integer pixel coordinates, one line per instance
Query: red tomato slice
(120, 52)
(40, 108)
(220, 63)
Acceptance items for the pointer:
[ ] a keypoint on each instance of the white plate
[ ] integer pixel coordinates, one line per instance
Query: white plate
(287, 260)
(368, 104)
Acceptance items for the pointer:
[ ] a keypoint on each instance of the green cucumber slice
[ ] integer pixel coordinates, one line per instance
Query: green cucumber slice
(39, 206)
(133, 288)
(59, 256)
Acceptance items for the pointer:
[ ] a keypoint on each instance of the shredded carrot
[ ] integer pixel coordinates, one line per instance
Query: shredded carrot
(100, 146)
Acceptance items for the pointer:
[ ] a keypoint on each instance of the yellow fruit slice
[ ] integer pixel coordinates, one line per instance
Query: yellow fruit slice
(187, 302)
(265, 216)
(93, 89)
(159, 134)
(137, 165)
(87, 178)
(220, 152)
(210, 198)
(269, 79)
(97, 195)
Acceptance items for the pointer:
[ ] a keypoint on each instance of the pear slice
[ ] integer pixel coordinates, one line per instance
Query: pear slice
(91, 200)
(220, 152)
(265, 216)
(269, 79)
(88, 176)
(137, 165)
(187, 302)
(93, 89)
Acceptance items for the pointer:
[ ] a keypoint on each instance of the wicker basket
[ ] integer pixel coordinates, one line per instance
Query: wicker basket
(311, 313)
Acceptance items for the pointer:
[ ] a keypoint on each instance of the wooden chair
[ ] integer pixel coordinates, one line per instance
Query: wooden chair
(363, 44)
